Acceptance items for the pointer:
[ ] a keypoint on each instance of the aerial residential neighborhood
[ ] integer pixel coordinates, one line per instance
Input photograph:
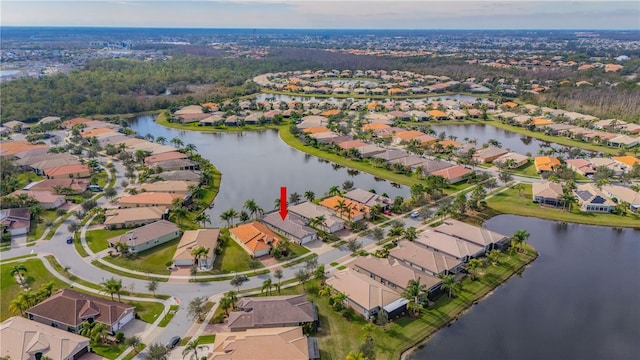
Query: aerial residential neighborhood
(221, 189)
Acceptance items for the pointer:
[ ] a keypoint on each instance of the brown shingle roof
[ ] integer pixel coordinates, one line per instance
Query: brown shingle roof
(272, 311)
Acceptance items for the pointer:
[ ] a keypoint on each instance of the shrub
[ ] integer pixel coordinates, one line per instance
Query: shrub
(119, 337)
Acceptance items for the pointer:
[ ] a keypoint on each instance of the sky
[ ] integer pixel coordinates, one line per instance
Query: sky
(327, 14)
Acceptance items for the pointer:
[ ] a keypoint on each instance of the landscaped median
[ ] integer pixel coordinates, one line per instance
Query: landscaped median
(520, 202)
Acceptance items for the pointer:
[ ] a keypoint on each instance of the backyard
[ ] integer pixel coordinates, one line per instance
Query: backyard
(97, 239)
(232, 259)
(512, 202)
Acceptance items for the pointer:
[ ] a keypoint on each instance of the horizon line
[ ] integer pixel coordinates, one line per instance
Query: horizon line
(316, 29)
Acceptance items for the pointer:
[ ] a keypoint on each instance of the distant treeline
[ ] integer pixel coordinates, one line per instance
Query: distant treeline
(194, 74)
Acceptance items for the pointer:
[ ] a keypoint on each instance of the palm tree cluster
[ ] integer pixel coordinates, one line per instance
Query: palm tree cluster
(26, 300)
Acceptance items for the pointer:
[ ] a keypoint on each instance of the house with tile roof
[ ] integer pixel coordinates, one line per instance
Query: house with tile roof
(168, 186)
(426, 260)
(475, 234)
(134, 217)
(293, 227)
(68, 171)
(149, 199)
(308, 210)
(365, 295)
(393, 273)
(354, 211)
(255, 238)
(192, 239)
(581, 166)
(453, 174)
(626, 162)
(46, 199)
(457, 248)
(147, 236)
(16, 221)
(620, 194)
(21, 338)
(66, 309)
(272, 311)
(547, 193)
(545, 164)
(265, 344)
(518, 160)
(592, 199)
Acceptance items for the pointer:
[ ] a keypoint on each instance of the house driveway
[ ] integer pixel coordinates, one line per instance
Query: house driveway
(268, 260)
(134, 327)
(91, 356)
(318, 246)
(180, 271)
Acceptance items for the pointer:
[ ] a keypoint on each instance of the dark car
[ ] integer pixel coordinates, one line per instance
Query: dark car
(69, 240)
(173, 342)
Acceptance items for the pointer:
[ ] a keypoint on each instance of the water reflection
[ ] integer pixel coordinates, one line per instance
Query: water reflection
(256, 164)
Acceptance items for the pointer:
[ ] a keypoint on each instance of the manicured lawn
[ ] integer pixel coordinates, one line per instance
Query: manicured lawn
(35, 276)
(297, 250)
(170, 314)
(528, 169)
(148, 311)
(108, 351)
(152, 261)
(509, 202)
(233, 258)
(97, 239)
(102, 179)
(102, 266)
(77, 244)
(207, 339)
(37, 229)
(26, 178)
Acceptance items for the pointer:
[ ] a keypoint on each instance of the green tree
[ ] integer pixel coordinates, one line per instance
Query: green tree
(302, 276)
(19, 270)
(520, 238)
(450, 284)
(377, 233)
(309, 195)
(473, 266)
(267, 284)
(237, 281)
(353, 355)
(203, 218)
(152, 285)
(229, 216)
(354, 245)
(278, 275)
(414, 292)
(192, 346)
(157, 352)
(410, 234)
(112, 286)
(134, 341)
(197, 308)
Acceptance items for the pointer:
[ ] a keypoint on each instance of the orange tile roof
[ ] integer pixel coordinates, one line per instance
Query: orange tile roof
(627, 160)
(150, 198)
(292, 87)
(375, 126)
(396, 90)
(541, 121)
(211, 105)
(8, 148)
(330, 112)
(255, 236)
(356, 209)
(510, 104)
(437, 113)
(316, 129)
(372, 105)
(67, 169)
(447, 143)
(350, 144)
(75, 121)
(97, 131)
(408, 135)
(452, 172)
(546, 163)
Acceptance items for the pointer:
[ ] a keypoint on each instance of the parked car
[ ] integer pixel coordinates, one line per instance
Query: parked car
(173, 342)
(414, 215)
(94, 188)
(69, 240)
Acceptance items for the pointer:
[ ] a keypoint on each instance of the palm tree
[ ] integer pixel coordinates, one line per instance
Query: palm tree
(473, 266)
(494, 256)
(294, 198)
(180, 213)
(161, 140)
(266, 285)
(520, 237)
(134, 342)
(568, 199)
(413, 292)
(334, 190)
(449, 284)
(112, 286)
(203, 218)
(190, 148)
(19, 305)
(353, 355)
(410, 233)
(309, 195)
(251, 206)
(326, 290)
(19, 270)
(341, 207)
(177, 142)
(228, 216)
(99, 332)
(225, 304)
(277, 274)
(191, 346)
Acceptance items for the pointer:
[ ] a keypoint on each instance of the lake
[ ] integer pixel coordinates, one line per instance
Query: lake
(483, 133)
(8, 72)
(579, 300)
(256, 164)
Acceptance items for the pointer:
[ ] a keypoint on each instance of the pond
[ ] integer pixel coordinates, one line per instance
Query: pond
(256, 164)
(483, 133)
(578, 300)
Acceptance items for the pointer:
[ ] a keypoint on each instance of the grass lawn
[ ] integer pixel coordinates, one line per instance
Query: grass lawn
(233, 258)
(148, 311)
(297, 250)
(207, 339)
(35, 276)
(170, 314)
(77, 244)
(108, 351)
(509, 202)
(405, 332)
(97, 239)
(102, 266)
(103, 177)
(26, 178)
(528, 170)
(37, 229)
(152, 260)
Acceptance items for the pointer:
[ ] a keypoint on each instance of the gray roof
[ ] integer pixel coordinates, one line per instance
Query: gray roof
(272, 311)
(186, 175)
(391, 155)
(429, 260)
(394, 271)
(367, 198)
(146, 233)
(474, 234)
(293, 224)
(429, 166)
